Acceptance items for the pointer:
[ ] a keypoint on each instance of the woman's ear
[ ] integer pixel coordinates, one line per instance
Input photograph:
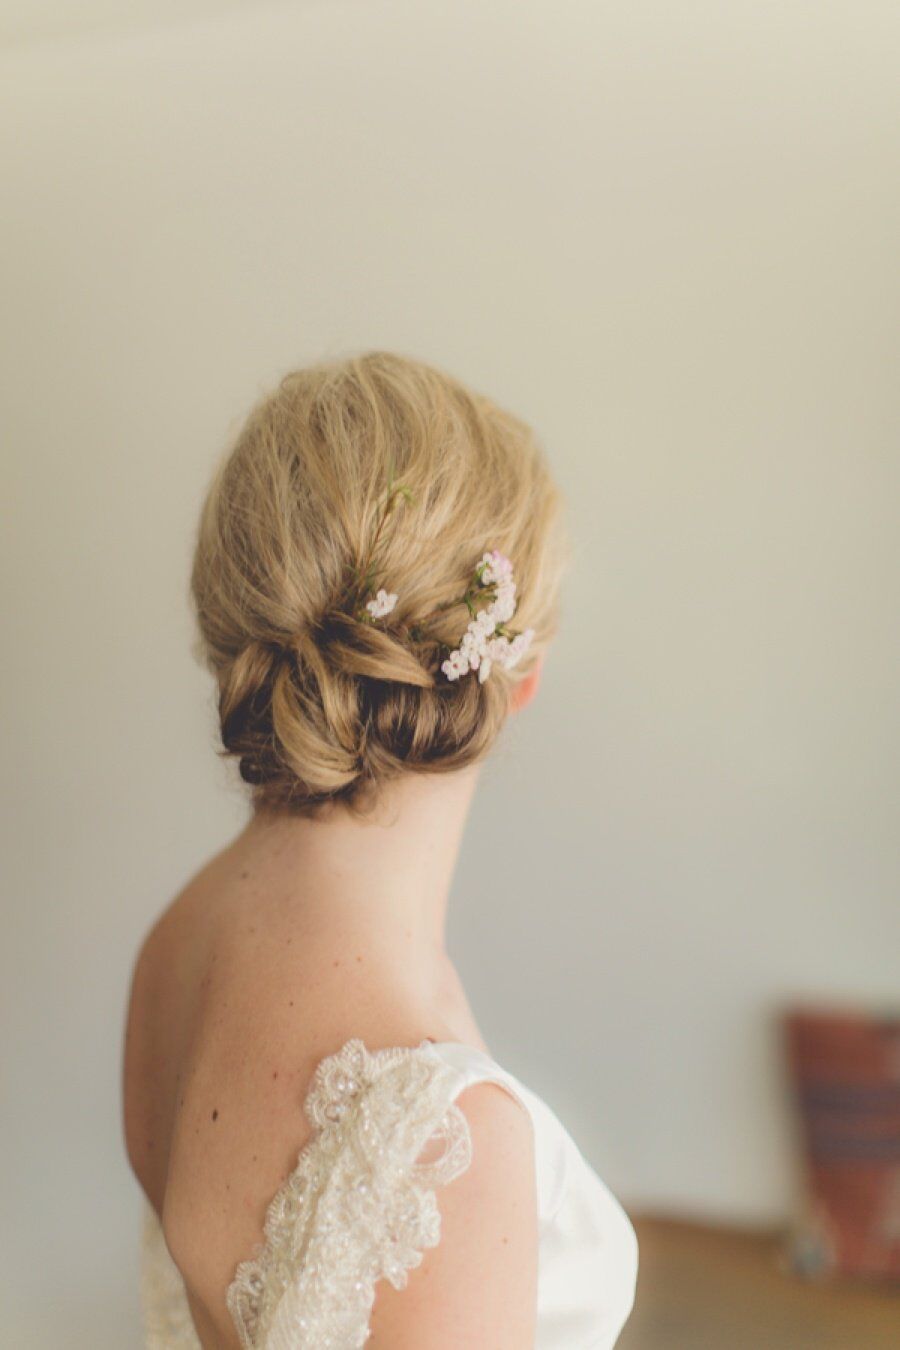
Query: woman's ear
(526, 689)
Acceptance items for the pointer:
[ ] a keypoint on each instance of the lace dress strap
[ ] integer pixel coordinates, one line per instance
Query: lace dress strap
(358, 1206)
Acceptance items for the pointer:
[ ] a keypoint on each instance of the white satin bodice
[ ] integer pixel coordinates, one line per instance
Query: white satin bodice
(587, 1252)
(337, 1225)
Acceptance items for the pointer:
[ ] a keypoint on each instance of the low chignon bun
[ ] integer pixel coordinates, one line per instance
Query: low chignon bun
(314, 704)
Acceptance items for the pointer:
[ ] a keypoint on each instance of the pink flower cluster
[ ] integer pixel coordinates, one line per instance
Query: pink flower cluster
(482, 643)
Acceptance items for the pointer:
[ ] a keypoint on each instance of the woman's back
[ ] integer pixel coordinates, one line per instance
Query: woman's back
(240, 990)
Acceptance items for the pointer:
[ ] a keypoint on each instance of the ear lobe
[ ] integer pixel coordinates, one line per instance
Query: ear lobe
(525, 691)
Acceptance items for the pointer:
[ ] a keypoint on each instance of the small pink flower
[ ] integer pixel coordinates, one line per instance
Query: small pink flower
(383, 603)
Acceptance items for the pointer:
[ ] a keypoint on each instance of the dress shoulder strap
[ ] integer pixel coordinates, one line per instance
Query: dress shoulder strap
(358, 1206)
(473, 1065)
(551, 1143)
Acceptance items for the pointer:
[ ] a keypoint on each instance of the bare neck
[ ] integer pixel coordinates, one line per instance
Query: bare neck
(382, 880)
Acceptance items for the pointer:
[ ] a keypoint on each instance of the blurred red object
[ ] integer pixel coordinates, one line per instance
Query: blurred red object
(845, 1070)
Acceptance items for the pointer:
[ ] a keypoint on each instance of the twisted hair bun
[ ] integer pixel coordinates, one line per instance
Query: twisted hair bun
(315, 704)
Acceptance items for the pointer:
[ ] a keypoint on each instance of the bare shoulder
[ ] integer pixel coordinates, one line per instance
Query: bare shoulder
(478, 1286)
(158, 961)
(160, 987)
(229, 1018)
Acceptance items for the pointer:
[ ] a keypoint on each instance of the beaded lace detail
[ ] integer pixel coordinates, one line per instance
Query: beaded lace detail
(358, 1206)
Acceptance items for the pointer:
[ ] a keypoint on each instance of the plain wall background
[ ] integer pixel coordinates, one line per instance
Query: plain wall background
(666, 235)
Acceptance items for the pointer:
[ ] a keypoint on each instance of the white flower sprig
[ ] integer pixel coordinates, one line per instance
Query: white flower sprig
(487, 639)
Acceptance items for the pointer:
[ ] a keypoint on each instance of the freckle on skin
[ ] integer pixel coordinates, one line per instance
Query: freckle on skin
(359, 958)
(335, 963)
(215, 1114)
(275, 1074)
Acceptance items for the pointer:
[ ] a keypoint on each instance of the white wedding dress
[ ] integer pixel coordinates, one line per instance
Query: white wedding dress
(358, 1208)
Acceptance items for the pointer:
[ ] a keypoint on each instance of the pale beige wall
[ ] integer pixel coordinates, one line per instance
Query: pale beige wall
(667, 235)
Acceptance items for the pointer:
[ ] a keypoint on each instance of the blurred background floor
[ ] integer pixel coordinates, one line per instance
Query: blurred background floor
(711, 1288)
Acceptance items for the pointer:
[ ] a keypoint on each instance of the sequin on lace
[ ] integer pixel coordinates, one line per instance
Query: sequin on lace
(358, 1206)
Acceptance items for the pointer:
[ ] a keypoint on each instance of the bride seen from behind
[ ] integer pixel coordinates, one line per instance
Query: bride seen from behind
(376, 581)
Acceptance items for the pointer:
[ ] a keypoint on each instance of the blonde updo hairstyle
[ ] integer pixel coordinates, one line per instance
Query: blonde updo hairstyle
(317, 705)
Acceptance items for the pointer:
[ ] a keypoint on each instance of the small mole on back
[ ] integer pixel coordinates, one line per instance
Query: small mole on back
(215, 1114)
